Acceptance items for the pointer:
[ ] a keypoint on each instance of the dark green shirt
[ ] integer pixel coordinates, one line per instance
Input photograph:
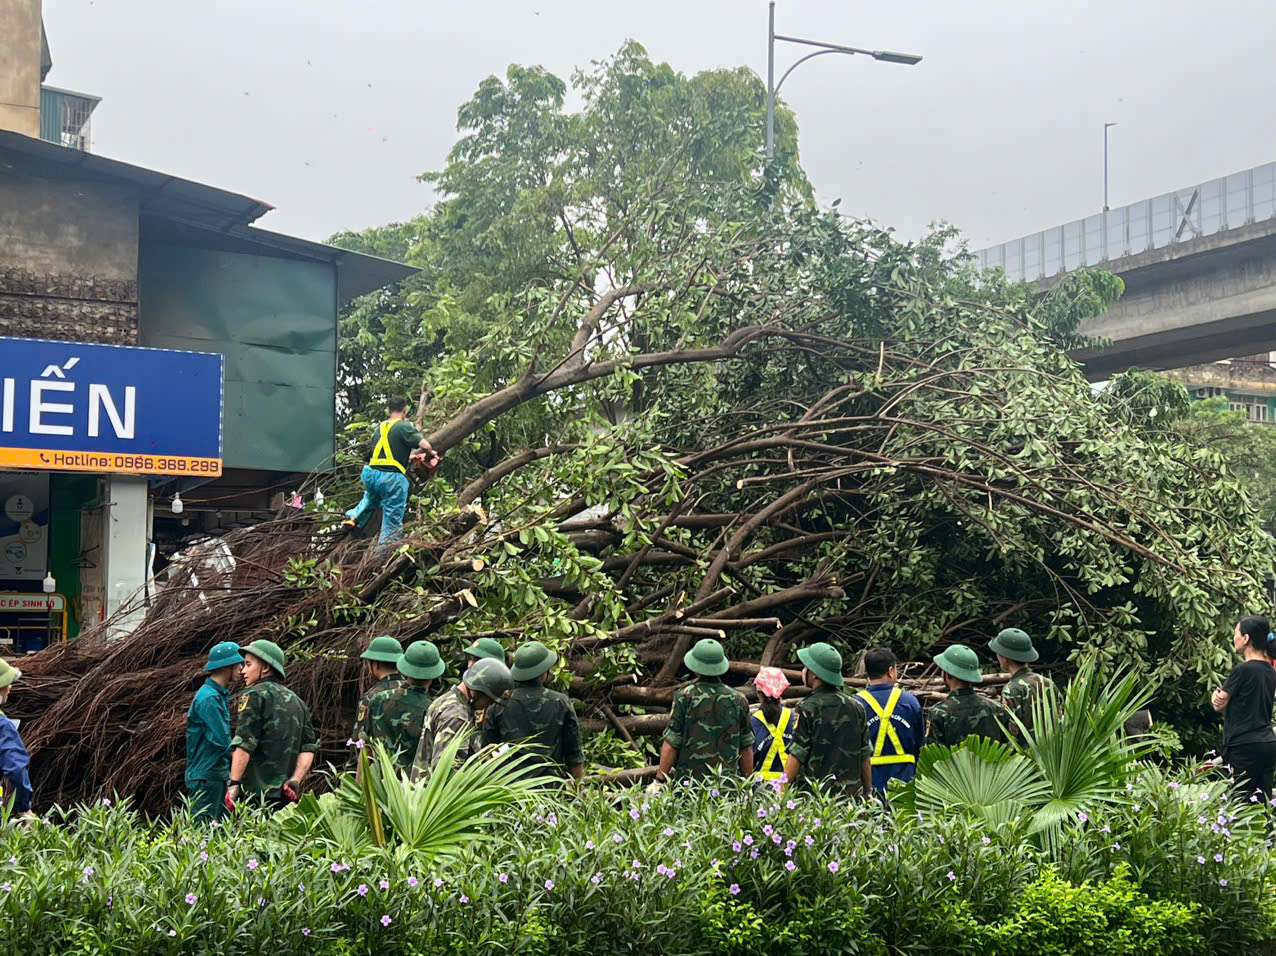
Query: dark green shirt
(208, 734)
(962, 713)
(1019, 693)
(273, 724)
(394, 713)
(403, 438)
(540, 717)
(709, 727)
(831, 740)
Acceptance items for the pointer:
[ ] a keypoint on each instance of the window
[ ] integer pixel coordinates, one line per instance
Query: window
(1254, 407)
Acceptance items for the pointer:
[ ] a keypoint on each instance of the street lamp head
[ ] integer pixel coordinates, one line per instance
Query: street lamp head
(888, 56)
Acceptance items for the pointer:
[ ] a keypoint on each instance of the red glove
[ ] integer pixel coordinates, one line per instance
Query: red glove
(230, 803)
(290, 790)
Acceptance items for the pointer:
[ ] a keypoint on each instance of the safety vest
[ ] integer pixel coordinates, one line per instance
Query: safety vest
(777, 745)
(886, 730)
(381, 453)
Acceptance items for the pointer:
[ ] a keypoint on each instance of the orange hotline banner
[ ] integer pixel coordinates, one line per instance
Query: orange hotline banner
(51, 459)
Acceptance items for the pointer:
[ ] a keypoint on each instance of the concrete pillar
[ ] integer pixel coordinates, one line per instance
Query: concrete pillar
(124, 545)
(21, 49)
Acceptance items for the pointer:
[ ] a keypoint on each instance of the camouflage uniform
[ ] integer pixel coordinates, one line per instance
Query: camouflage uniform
(542, 718)
(709, 727)
(273, 724)
(450, 714)
(831, 739)
(964, 713)
(1019, 693)
(384, 684)
(394, 713)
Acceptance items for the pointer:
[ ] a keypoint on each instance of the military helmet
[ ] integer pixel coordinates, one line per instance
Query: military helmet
(486, 647)
(707, 658)
(961, 662)
(824, 661)
(384, 650)
(1015, 645)
(489, 677)
(421, 661)
(267, 651)
(531, 660)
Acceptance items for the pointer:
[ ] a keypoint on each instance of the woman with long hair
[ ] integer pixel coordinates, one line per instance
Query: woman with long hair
(1245, 700)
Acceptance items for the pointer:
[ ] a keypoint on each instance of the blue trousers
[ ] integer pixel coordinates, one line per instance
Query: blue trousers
(389, 489)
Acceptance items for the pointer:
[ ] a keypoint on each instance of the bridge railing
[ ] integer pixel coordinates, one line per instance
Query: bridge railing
(1211, 207)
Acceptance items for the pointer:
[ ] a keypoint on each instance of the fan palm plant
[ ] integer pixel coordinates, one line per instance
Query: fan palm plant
(1074, 760)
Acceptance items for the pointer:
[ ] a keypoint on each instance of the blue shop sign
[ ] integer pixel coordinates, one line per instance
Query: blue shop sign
(69, 406)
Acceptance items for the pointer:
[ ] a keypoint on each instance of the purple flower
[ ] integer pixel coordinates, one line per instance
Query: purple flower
(987, 840)
(636, 864)
(809, 840)
(438, 882)
(714, 793)
(172, 932)
(951, 876)
(106, 802)
(736, 846)
(385, 920)
(1201, 820)
(761, 814)
(670, 873)
(596, 879)
(768, 829)
(735, 889)
(412, 881)
(552, 819)
(464, 899)
(662, 869)
(203, 858)
(190, 899)
(504, 877)
(1083, 818)
(634, 814)
(261, 901)
(305, 931)
(753, 854)
(1218, 858)
(1222, 882)
(790, 866)
(1200, 859)
(618, 838)
(363, 889)
(6, 887)
(667, 831)
(253, 864)
(358, 745)
(788, 851)
(748, 839)
(384, 884)
(791, 804)
(833, 867)
(349, 741)
(775, 838)
(1116, 846)
(1174, 785)
(1106, 829)
(589, 844)
(549, 884)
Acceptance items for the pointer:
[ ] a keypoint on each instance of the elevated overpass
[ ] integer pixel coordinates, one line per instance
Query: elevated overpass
(1199, 267)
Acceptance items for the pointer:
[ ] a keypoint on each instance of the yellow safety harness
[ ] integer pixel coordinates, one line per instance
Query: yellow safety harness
(777, 745)
(886, 730)
(381, 453)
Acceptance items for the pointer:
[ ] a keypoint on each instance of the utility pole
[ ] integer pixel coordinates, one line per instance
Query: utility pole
(1106, 127)
(772, 87)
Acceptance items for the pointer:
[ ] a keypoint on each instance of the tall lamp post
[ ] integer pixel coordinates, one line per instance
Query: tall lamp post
(885, 56)
(1106, 127)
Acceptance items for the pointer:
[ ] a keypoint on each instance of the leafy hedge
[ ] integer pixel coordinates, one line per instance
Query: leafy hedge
(710, 869)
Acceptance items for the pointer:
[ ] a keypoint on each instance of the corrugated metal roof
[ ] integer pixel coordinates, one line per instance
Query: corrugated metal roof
(196, 205)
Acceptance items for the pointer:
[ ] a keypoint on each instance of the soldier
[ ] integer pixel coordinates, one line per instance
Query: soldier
(460, 711)
(831, 742)
(964, 712)
(382, 655)
(275, 744)
(485, 647)
(537, 715)
(395, 714)
(1015, 652)
(709, 723)
(208, 735)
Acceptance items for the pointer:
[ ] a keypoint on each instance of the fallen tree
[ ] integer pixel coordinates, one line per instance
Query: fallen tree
(710, 409)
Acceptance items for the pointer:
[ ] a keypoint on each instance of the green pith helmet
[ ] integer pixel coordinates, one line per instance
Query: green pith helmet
(531, 660)
(961, 662)
(421, 661)
(222, 655)
(707, 658)
(384, 649)
(486, 647)
(1014, 644)
(824, 661)
(8, 673)
(489, 677)
(267, 651)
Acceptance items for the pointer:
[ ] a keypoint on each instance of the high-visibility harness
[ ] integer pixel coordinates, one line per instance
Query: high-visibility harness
(777, 745)
(381, 453)
(886, 730)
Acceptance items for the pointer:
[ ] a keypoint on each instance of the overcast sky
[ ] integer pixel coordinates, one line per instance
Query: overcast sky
(328, 109)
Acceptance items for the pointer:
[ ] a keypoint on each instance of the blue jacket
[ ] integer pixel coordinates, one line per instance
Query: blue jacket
(208, 734)
(13, 764)
(909, 725)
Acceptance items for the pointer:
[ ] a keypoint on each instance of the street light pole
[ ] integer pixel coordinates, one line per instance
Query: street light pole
(772, 87)
(1106, 126)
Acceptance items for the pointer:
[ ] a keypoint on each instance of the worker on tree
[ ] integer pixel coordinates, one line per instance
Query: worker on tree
(382, 655)
(895, 723)
(460, 712)
(709, 723)
(385, 476)
(14, 761)
(208, 734)
(275, 744)
(487, 647)
(830, 746)
(1015, 652)
(963, 712)
(395, 713)
(773, 725)
(533, 714)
